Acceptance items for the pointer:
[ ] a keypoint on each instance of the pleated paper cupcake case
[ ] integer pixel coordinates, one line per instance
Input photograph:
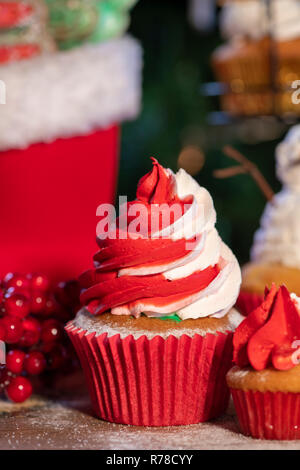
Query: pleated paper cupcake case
(268, 415)
(155, 382)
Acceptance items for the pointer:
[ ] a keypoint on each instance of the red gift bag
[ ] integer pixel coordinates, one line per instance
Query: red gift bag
(48, 199)
(59, 150)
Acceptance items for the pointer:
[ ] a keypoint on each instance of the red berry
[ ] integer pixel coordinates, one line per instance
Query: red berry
(17, 305)
(38, 303)
(51, 331)
(39, 282)
(5, 378)
(13, 329)
(51, 307)
(35, 363)
(17, 281)
(31, 332)
(15, 361)
(19, 389)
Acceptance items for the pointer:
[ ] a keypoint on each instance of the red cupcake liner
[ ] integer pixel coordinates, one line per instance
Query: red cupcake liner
(268, 415)
(155, 382)
(247, 302)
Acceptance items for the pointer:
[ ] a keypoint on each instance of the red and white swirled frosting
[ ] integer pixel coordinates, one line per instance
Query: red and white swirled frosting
(181, 267)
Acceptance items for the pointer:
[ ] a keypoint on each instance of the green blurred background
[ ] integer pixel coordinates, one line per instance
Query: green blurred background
(175, 114)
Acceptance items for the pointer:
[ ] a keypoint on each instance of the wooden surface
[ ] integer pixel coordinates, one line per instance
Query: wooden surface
(68, 423)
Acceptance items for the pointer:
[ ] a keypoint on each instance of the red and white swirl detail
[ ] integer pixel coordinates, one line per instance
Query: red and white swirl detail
(183, 267)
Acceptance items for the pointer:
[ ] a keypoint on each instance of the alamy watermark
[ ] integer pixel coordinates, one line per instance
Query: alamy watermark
(2, 92)
(296, 94)
(137, 219)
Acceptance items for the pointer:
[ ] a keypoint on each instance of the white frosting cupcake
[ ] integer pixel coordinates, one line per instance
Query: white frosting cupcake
(251, 19)
(278, 239)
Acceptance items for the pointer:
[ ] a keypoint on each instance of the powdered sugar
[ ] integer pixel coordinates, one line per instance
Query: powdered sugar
(70, 425)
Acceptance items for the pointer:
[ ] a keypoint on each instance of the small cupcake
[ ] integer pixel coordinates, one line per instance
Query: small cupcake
(275, 255)
(247, 61)
(155, 335)
(265, 382)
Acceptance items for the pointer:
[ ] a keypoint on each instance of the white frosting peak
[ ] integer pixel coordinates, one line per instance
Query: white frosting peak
(278, 238)
(288, 159)
(199, 220)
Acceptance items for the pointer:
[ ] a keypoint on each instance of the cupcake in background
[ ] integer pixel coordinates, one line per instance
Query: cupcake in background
(155, 334)
(275, 255)
(265, 382)
(246, 62)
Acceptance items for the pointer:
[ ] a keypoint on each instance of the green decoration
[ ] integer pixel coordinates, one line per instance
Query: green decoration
(173, 317)
(112, 23)
(74, 22)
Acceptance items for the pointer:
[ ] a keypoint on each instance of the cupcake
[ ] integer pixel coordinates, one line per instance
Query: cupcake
(246, 62)
(155, 334)
(265, 381)
(275, 255)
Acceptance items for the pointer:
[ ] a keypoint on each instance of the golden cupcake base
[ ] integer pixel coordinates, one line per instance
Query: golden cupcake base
(158, 326)
(259, 75)
(257, 276)
(253, 104)
(267, 380)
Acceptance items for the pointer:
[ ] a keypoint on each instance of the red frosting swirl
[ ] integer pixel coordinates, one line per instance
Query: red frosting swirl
(104, 289)
(156, 187)
(269, 335)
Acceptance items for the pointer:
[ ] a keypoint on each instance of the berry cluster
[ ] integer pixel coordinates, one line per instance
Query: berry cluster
(32, 318)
